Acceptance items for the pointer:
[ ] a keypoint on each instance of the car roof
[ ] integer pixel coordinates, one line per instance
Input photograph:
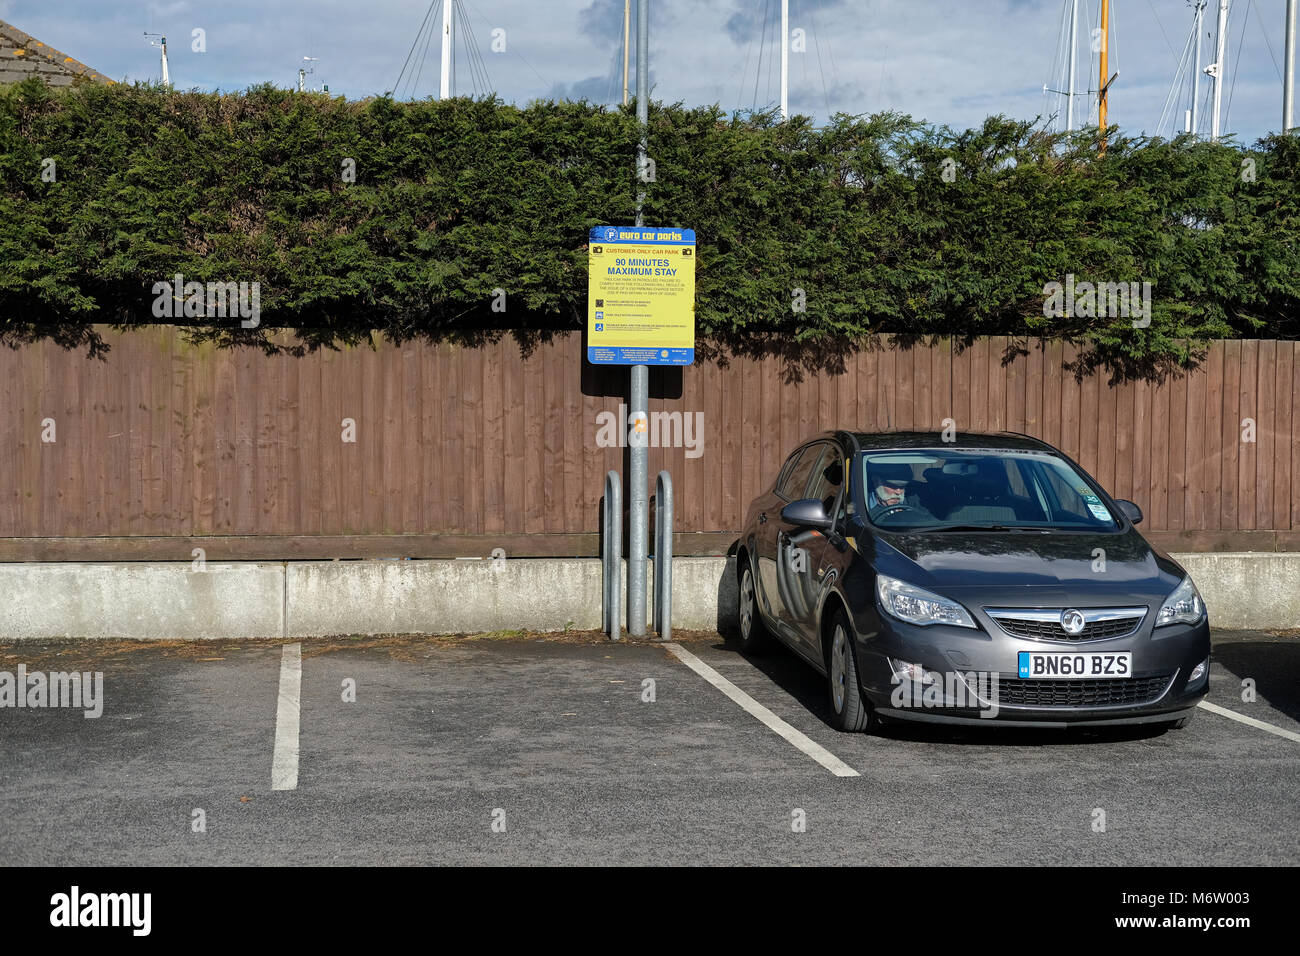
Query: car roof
(1003, 441)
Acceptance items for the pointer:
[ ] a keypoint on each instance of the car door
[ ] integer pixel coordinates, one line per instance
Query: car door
(811, 564)
(799, 549)
(793, 479)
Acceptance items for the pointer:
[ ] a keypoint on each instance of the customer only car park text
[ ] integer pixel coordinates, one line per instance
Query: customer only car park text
(641, 296)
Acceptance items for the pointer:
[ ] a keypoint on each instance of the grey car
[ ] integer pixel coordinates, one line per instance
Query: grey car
(986, 580)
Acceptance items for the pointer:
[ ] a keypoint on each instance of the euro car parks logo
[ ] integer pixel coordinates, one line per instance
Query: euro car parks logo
(1072, 621)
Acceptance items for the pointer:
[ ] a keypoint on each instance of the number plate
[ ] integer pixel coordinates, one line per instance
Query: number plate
(1048, 665)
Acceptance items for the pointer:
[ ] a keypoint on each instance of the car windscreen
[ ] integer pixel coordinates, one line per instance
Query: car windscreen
(930, 490)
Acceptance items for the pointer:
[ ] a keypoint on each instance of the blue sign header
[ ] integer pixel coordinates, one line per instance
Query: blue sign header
(644, 235)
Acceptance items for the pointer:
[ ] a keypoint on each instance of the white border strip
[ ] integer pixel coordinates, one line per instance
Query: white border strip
(284, 763)
(1233, 715)
(800, 740)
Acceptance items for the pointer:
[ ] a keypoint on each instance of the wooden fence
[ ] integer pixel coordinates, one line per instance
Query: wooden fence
(166, 446)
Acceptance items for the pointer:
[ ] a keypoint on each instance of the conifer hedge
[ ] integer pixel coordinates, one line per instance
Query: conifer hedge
(885, 223)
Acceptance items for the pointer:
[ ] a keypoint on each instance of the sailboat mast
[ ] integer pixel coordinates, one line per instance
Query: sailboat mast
(1196, 73)
(785, 59)
(1288, 81)
(444, 90)
(1102, 86)
(627, 35)
(1219, 66)
(1074, 42)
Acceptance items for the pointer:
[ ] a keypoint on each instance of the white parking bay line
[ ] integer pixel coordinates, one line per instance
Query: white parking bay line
(1233, 715)
(284, 763)
(800, 740)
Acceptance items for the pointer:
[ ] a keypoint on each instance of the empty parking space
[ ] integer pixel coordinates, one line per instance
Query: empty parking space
(184, 727)
(569, 750)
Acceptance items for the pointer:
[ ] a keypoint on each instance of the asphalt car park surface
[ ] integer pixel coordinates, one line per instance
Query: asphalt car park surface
(499, 750)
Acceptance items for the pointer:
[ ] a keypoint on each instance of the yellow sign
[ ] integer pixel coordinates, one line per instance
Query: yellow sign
(641, 296)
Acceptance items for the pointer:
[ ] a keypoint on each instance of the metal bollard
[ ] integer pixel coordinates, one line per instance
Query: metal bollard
(664, 556)
(611, 556)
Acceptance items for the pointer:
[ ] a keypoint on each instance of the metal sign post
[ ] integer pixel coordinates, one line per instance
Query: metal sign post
(640, 312)
(638, 399)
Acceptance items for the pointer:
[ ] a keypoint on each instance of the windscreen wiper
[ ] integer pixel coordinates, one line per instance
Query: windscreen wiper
(978, 527)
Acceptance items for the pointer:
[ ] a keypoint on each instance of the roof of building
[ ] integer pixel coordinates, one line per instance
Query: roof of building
(22, 55)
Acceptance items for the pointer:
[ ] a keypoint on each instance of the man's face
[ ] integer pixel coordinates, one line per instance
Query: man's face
(888, 494)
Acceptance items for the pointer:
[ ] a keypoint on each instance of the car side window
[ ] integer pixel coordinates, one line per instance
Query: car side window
(827, 479)
(783, 477)
(796, 476)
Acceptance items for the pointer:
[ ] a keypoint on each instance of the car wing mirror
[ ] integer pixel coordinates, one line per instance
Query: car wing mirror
(806, 513)
(1131, 510)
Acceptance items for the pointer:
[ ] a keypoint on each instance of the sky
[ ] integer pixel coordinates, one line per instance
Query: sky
(945, 61)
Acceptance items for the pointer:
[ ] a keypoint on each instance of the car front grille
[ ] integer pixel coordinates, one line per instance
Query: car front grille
(1045, 624)
(1014, 692)
(1052, 630)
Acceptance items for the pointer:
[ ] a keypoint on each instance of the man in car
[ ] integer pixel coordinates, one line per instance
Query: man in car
(888, 488)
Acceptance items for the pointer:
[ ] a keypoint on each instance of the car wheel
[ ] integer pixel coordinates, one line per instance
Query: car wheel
(849, 711)
(754, 637)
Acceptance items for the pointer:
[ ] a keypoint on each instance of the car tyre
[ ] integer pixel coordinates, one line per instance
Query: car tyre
(754, 635)
(849, 710)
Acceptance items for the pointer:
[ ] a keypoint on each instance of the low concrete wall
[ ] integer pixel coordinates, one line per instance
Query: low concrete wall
(142, 601)
(311, 599)
(452, 597)
(1248, 589)
(441, 597)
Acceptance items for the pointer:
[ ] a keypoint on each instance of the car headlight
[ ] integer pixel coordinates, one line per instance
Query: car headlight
(918, 606)
(1183, 606)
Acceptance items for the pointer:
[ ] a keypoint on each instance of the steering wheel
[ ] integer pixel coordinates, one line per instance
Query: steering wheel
(894, 509)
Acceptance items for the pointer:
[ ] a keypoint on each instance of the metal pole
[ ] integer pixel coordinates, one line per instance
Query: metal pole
(1196, 74)
(639, 397)
(664, 556)
(627, 38)
(166, 74)
(785, 59)
(1219, 65)
(1074, 42)
(1288, 79)
(444, 89)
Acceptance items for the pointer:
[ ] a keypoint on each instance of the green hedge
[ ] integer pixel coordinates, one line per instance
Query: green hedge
(454, 200)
